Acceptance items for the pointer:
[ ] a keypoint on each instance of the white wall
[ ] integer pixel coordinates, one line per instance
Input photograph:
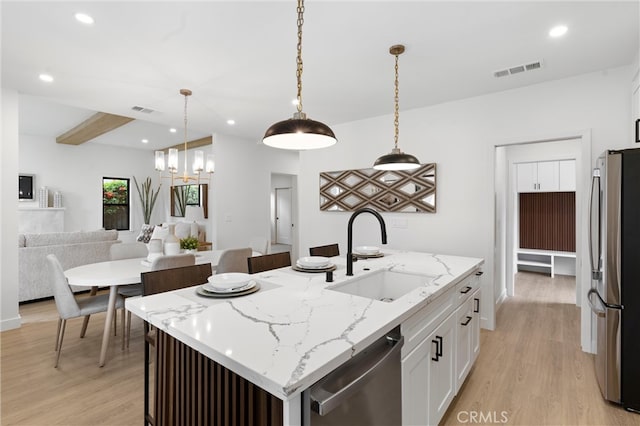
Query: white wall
(241, 203)
(9, 316)
(461, 137)
(77, 172)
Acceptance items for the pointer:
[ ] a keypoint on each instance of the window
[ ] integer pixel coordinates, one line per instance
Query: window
(115, 203)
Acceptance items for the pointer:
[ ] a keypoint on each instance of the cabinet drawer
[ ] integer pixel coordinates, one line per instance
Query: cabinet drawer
(422, 323)
(466, 287)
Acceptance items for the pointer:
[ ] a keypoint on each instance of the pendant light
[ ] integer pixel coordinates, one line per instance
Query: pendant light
(396, 160)
(172, 160)
(299, 132)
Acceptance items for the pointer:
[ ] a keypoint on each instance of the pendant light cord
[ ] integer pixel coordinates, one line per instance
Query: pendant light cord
(300, 10)
(186, 96)
(396, 119)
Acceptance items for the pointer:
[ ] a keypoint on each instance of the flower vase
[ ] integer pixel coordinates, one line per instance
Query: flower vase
(171, 242)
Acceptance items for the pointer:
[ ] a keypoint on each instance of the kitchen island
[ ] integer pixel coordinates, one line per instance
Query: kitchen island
(295, 330)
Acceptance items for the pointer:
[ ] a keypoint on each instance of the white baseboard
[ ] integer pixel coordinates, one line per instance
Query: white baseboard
(10, 324)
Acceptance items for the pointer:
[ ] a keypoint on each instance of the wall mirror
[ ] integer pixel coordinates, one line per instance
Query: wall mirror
(382, 190)
(189, 195)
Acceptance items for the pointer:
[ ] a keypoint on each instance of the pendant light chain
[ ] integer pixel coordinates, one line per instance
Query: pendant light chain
(396, 120)
(300, 10)
(186, 96)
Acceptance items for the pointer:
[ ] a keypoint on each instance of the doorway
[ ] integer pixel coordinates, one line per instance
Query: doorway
(284, 210)
(576, 146)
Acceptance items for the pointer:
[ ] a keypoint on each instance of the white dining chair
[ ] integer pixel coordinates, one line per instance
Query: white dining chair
(173, 261)
(233, 260)
(259, 244)
(70, 307)
(121, 251)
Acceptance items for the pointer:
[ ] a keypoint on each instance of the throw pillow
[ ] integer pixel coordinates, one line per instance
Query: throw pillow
(145, 233)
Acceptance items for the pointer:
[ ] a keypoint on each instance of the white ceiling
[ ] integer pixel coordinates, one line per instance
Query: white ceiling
(238, 58)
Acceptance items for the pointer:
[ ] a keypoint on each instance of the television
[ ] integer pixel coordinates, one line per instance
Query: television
(25, 187)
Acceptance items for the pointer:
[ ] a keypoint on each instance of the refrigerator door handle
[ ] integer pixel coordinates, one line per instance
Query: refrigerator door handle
(596, 274)
(600, 312)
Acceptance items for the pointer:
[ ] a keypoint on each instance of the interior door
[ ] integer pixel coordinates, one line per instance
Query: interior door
(283, 216)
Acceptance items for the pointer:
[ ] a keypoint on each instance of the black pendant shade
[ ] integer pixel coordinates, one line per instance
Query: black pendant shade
(299, 134)
(396, 160)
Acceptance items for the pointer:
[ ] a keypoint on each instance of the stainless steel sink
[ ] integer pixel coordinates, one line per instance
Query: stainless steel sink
(385, 285)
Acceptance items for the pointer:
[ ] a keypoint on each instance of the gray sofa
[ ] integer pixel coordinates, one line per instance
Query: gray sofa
(71, 248)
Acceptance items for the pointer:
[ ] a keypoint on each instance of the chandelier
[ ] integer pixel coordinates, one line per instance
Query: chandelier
(199, 165)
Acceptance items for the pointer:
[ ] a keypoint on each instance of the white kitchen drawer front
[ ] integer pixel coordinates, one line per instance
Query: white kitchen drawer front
(466, 287)
(423, 322)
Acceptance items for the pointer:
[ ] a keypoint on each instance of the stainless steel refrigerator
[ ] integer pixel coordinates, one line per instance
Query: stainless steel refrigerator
(614, 296)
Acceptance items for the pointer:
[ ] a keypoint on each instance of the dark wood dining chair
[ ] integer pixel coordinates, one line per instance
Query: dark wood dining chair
(268, 262)
(329, 250)
(158, 282)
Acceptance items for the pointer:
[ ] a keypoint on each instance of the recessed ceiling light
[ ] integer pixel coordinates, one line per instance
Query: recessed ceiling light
(84, 18)
(145, 140)
(231, 122)
(558, 31)
(173, 130)
(46, 78)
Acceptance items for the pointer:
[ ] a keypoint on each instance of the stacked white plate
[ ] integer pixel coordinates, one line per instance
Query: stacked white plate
(367, 250)
(231, 282)
(313, 262)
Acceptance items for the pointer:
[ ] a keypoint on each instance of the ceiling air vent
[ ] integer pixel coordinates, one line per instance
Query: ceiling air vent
(142, 109)
(518, 69)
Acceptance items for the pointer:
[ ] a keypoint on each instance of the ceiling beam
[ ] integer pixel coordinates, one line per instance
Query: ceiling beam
(196, 143)
(92, 127)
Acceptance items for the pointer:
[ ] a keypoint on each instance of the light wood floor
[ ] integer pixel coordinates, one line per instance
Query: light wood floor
(78, 392)
(531, 367)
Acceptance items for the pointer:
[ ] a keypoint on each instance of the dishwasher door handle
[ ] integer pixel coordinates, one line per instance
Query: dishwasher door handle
(323, 401)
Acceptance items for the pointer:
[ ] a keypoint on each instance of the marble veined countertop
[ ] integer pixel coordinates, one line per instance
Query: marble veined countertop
(294, 330)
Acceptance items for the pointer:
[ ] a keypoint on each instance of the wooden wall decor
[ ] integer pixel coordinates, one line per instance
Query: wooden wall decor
(382, 190)
(548, 221)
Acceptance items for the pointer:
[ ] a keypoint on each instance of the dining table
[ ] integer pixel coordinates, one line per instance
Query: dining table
(115, 273)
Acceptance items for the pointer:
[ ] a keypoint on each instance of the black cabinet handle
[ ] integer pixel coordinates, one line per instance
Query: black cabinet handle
(466, 290)
(467, 321)
(479, 273)
(476, 302)
(438, 342)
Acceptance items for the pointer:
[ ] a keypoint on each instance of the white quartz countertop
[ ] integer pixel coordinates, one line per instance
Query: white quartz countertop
(294, 330)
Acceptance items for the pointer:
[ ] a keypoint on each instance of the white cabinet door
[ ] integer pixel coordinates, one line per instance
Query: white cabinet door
(475, 330)
(464, 324)
(527, 177)
(548, 176)
(567, 180)
(428, 377)
(415, 385)
(442, 369)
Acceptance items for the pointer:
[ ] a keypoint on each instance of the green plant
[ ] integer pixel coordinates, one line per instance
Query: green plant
(147, 197)
(189, 243)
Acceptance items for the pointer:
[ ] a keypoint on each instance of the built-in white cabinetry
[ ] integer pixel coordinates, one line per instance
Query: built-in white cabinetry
(428, 374)
(438, 352)
(567, 175)
(546, 176)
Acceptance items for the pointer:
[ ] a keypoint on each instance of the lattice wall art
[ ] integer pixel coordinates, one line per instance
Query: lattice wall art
(383, 190)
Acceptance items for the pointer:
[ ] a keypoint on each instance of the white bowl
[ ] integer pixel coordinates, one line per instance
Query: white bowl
(313, 261)
(367, 250)
(229, 280)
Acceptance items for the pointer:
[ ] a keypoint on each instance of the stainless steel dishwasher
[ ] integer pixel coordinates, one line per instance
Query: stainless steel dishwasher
(366, 390)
